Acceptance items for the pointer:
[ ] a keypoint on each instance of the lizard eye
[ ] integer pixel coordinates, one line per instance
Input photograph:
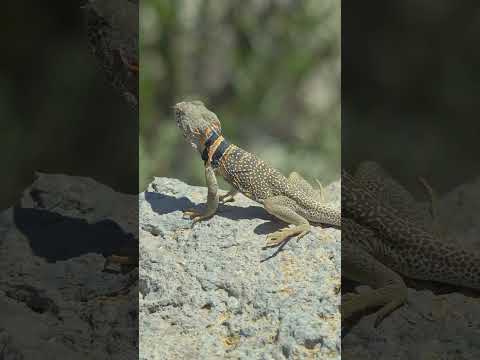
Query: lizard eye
(178, 112)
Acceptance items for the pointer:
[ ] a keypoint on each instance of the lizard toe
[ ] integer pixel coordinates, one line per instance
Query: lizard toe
(192, 213)
(278, 237)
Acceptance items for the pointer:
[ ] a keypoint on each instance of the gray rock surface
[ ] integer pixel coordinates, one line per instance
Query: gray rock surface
(437, 322)
(55, 299)
(205, 292)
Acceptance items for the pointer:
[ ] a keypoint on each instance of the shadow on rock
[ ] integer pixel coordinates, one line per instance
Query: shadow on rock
(164, 204)
(233, 212)
(56, 237)
(268, 228)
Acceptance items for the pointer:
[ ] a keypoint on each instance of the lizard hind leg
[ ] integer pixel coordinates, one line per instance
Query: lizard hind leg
(388, 298)
(389, 291)
(299, 182)
(228, 197)
(283, 208)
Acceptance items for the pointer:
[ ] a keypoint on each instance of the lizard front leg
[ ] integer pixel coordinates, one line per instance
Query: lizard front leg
(283, 208)
(212, 198)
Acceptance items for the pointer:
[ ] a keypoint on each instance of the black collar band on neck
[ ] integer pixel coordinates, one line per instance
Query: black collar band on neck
(218, 154)
(211, 139)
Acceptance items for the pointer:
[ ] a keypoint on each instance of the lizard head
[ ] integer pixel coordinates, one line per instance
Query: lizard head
(196, 122)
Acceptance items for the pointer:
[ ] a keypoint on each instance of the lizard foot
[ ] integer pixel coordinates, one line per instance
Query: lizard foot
(192, 213)
(388, 298)
(195, 215)
(284, 234)
(226, 198)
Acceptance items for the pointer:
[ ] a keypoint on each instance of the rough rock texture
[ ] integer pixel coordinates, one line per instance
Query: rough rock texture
(438, 322)
(206, 294)
(113, 33)
(54, 294)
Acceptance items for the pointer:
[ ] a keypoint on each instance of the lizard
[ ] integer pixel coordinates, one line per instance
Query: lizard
(292, 200)
(386, 237)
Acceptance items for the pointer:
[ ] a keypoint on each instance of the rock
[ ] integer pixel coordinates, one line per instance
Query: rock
(54, 295)
(112, 27)
(213, 292)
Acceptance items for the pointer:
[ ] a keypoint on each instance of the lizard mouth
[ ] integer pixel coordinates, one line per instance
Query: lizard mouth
(178, 116)
(187, 133)
(190, 121)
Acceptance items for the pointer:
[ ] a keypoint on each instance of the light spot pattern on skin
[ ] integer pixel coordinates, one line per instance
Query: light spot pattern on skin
(249, 174)
(257, 180)
(404, 245)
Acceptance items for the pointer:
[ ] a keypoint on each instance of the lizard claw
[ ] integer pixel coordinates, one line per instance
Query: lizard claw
(302, 234)
(195, 215)
(198, 218)
(278, 237)
(282, 235)
(191, 212)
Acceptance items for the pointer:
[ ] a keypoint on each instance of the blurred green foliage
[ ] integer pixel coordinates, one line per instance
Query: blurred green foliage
(410, 86)
(270, 70)
(58, 112)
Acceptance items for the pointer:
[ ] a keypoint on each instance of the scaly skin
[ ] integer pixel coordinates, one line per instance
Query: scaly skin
(291, 200)
(387, 235)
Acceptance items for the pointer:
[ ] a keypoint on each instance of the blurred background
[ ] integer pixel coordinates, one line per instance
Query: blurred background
(58, 111)
(270, 70)
(410, 89)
